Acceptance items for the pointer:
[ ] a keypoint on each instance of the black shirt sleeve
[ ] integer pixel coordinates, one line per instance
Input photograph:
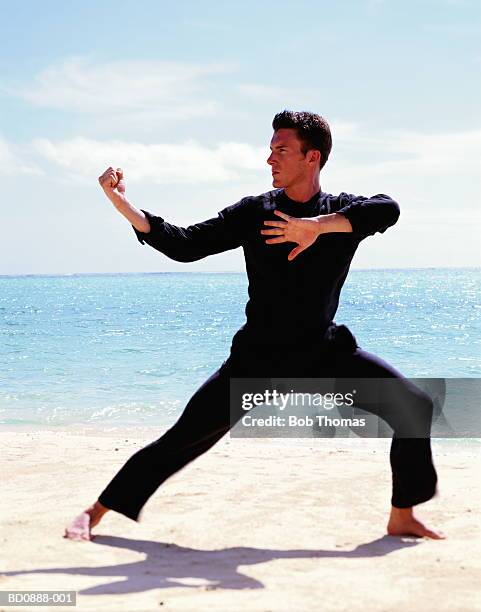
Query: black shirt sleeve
(222, 233)
(368, 215)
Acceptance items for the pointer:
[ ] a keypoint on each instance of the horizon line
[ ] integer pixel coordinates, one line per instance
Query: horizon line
(223, 271)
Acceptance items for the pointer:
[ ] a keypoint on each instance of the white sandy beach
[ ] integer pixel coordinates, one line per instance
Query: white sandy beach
(251, 525)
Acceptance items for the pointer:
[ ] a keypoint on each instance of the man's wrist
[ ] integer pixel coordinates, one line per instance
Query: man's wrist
(118, 199)
(333, 222)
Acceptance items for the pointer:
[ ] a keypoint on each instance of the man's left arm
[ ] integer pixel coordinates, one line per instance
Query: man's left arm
(358, 215)
(366, 216)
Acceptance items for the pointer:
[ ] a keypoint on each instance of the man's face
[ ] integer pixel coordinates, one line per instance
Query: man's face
(288, 163)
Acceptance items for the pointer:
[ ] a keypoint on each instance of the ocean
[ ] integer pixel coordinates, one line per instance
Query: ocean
(130, 349)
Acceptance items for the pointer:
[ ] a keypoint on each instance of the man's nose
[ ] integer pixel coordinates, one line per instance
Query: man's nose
(269, 160)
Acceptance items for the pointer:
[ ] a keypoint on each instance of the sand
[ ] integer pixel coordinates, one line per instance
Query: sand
(264, 525)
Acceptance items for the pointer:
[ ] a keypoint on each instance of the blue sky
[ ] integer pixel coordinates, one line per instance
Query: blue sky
(182, 95)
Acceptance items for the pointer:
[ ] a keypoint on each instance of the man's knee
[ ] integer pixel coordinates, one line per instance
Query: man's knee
(426, 404)
(423, 410)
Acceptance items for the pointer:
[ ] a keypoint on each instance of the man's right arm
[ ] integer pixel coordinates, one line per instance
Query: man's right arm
(185, 244)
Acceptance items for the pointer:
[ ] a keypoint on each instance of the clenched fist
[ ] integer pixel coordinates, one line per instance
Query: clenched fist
(112, 179)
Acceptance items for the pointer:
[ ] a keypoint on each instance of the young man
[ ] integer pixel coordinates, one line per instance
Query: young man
(293, 297)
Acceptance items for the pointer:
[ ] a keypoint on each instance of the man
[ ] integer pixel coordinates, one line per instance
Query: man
(289, 331)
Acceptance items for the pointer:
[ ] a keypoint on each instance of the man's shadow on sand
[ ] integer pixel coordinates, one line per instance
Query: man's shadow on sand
(169, 565)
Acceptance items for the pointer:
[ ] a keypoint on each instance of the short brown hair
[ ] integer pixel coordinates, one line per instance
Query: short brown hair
(312, 130)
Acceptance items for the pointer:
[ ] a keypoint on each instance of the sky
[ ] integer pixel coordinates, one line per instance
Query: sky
(182, 95)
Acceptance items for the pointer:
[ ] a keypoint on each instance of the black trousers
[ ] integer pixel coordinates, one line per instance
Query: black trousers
(206, 419)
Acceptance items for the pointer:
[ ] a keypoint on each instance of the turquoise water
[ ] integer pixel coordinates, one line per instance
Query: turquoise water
(130, 349)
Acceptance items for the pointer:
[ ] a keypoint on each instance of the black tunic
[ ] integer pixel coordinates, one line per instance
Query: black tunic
(290, 302)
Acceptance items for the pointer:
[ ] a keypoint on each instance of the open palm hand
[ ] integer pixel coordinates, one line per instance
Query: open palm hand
(303, 232)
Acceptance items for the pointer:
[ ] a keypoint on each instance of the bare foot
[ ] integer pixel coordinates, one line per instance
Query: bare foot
(80, 528)
(402, 522)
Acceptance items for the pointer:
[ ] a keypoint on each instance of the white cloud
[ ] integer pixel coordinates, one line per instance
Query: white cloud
(189, 162)
(411, 153)
(173, 89)
(12, 160)
(363, 160)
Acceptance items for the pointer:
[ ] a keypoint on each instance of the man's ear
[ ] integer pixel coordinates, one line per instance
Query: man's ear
(314, 156)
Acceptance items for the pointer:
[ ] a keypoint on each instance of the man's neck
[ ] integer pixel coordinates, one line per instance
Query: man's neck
(304, 192)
